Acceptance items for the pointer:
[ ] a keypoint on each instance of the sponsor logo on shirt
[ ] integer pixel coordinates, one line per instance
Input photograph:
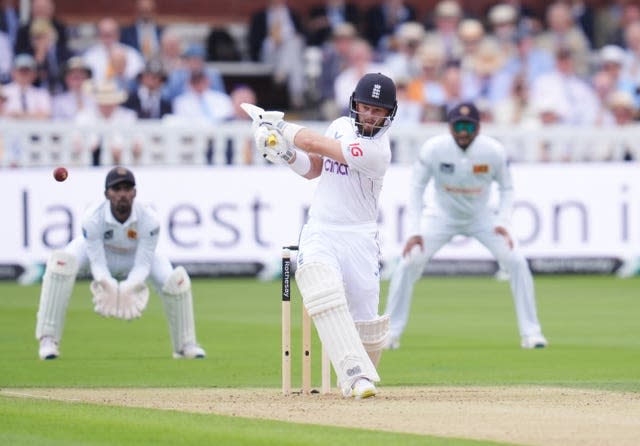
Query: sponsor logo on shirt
(447, 167)
(333, 166)
(132, 234)
(108, 235)
(355, 148)
(480, 168)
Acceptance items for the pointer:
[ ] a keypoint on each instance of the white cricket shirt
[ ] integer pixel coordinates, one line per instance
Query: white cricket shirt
(120, 245)
(462, 180)
(348, 193)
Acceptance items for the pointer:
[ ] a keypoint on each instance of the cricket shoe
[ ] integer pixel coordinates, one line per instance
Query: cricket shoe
(48, 348)
(536, 341)
(363, 388)
(392, 343)
(190, 351)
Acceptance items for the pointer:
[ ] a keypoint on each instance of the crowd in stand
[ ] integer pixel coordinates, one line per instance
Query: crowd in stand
(571, 65)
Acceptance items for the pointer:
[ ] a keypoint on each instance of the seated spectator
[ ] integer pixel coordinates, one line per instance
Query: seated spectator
(276, 38)
(488, 77)
(171, 50)
(573, 99)
(221, 46)
(401, 60)
(193, 61)
(324, 18)
(146, 100)
(427, 88)
(382, 21)
(470, 34)
(77, 96)
(240, 94)
(41, 9)
(409, 111)
(335, 55)
(444, 32)
(105, 58)
(9, 21)
(563, 32)
(359, 62)
(114, 142)
(49, 57)
(3, 116)
(200, 105)
(144, 34)
(624, 111)
(503, 20)
(24, 100)
(6, 57)
(529, 60)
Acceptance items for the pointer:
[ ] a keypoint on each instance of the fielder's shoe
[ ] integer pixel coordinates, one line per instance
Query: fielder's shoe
(48, 348)
(536, 341)
(363, 388)
(190, 351)
(392, 343)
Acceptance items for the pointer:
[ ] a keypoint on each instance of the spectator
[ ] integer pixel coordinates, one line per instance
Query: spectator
(105, 57)
(3, 116)
(335, 58)
(452, 87)
(110, 146)
(41, 9)
(144, 34)
(200, 105)
(624, 111)
(529, 60)
(427, 87)
(171, 50)
(6, 58)
(630, 14)
(401, 60)
(444, 31)
(324, 18)
(49, 57)
(488, 78)
(612, 59)
(193, 61)
(24, 100)
(239, 95)
(572, 98)
(360, 62)
(146, 100)
(77, 96)
(409, 110)
(276, 37)
(563, 32)
(584, 17)
(503, 19)
(603, 85)
(515, 109)
(9, 20)
(383, 20)
(470, 33)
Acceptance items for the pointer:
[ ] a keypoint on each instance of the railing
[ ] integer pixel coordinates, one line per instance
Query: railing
(38, 143)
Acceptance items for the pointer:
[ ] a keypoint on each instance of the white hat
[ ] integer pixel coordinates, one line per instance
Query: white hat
(621, 99)
(470, 29)
(502, 13)
(108, 93)
(448, 8)
(612, 54)
(411, 31)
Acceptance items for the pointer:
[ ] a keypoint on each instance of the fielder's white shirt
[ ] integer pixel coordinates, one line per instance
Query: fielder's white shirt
(348, 193)
(462, 180)
(135, 239)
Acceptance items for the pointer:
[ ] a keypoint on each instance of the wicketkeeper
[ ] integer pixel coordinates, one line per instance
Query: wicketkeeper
(118, 244)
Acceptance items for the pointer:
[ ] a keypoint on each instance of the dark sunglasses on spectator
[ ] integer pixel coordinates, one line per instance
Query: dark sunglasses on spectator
(464, 126)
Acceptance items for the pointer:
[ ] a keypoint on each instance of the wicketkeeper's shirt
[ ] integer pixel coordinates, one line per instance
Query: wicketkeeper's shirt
(348, 193)
(135, 239)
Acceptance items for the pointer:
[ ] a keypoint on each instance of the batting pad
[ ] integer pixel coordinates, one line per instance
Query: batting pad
(57, 286)
(324, 297)
(374, 336)
(178, 307)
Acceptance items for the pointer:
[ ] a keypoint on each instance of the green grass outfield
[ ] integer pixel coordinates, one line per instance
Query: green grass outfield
(462, 331)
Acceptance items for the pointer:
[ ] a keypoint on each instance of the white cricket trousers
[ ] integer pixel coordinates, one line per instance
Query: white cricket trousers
(354, 251)
(436, 232)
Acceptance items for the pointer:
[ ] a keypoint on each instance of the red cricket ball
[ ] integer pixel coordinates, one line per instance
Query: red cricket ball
(60, 174)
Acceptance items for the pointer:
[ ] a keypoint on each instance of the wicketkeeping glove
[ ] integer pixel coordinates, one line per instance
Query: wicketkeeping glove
(133, 298)
(105, 296)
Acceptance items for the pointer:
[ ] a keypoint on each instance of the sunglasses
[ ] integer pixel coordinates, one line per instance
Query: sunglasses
(464, 126)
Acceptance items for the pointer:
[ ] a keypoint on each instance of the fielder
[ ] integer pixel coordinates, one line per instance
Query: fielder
(118, 244)
(338, 259)
(463, 166)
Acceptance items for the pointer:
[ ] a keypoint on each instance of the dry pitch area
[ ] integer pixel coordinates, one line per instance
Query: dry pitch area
(522, 415)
